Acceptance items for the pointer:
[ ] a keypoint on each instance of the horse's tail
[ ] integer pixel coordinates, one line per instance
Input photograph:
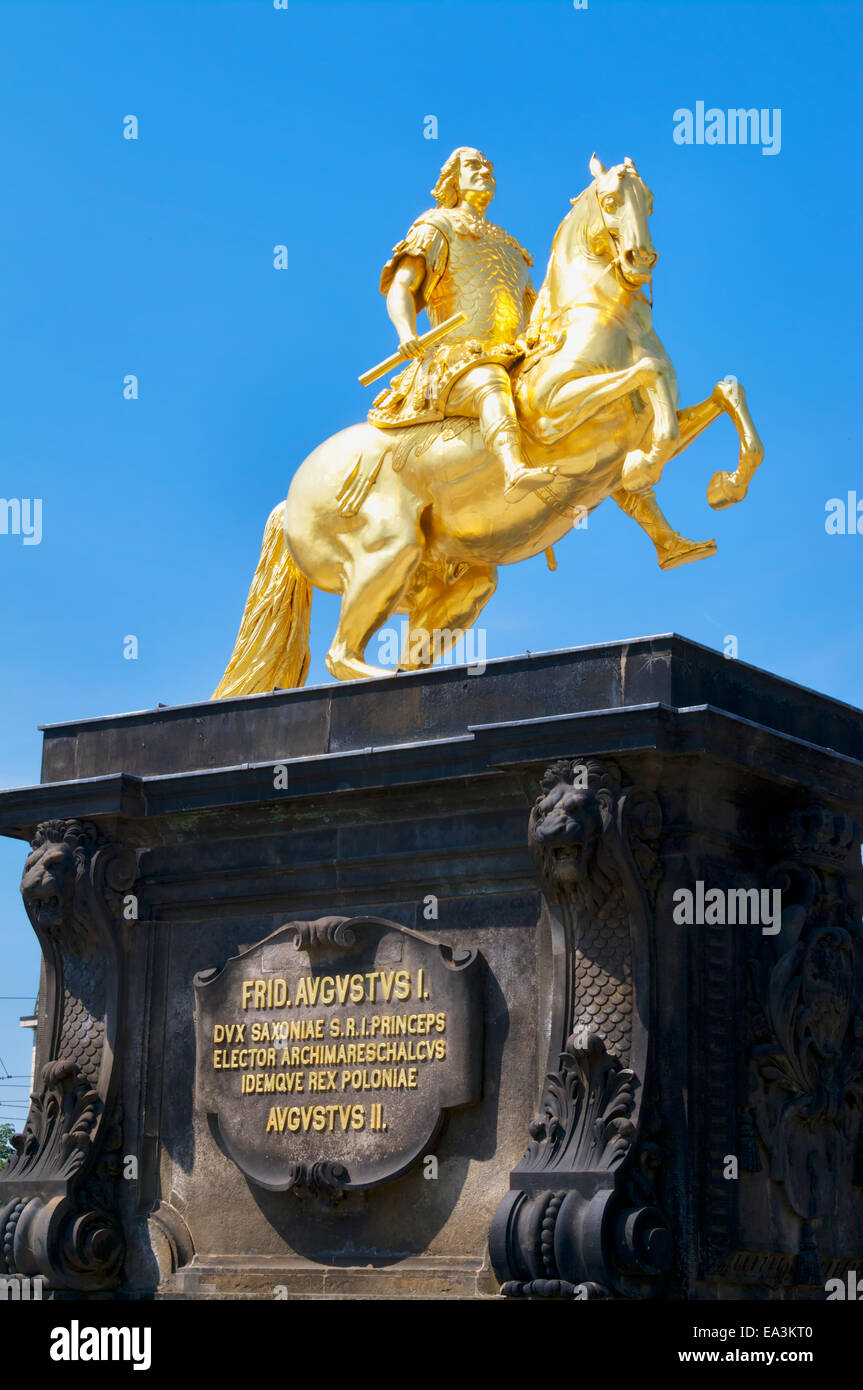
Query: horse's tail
(272, 646)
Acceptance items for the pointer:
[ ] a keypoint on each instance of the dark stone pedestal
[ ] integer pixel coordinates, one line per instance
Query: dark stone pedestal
(624, 1103)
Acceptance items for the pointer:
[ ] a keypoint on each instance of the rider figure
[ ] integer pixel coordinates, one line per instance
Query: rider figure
(453, 259)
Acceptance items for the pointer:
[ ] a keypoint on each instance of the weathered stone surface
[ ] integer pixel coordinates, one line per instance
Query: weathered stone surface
(442, 703)
(409, 800)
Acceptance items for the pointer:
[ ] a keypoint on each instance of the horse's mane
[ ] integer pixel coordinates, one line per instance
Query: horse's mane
(581, 223)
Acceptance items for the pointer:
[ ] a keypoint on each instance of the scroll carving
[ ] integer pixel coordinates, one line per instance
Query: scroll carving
(582, 1218)
(322, 934)
(55, 1217)
(325, 1181)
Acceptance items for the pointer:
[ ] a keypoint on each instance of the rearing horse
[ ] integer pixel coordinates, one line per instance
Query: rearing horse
(414, 520)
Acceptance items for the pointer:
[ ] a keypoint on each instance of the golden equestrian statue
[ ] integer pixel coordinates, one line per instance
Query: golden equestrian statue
(514, 416)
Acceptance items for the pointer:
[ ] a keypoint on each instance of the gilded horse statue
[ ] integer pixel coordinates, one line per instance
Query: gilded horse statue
(414, 521)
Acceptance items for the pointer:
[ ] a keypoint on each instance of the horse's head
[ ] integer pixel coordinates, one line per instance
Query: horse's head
(620, 226)
(605, 232)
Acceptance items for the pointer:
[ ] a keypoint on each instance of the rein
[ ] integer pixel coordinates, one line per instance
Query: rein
(612, 238)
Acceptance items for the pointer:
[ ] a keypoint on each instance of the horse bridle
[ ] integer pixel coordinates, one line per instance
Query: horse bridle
(616, 263)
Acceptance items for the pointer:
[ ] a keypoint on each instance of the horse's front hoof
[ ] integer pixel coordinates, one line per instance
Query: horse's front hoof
(729, 392)
(723, 491)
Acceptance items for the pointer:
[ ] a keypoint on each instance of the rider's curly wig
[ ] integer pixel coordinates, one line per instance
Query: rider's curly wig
(445, 191)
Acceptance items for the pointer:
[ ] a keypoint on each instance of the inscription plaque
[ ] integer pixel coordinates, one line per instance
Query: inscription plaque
(329, 1052)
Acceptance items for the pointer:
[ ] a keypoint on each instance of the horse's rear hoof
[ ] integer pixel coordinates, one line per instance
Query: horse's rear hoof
(684, 552)
(352, 668)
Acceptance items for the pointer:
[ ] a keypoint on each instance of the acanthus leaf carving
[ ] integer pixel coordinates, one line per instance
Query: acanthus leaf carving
(585, 1110)
(59, 1128)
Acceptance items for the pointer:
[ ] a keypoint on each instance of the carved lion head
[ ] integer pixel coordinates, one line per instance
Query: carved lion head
(569, 819)
(56, 870)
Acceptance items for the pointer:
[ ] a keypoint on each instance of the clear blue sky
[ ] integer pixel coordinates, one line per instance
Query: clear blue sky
(305, 127)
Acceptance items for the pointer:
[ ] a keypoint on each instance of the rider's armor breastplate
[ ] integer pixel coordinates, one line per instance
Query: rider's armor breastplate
(473, 267)
(485, 277)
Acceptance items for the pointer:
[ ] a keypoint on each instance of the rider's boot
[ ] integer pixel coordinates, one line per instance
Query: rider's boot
(504, 441)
